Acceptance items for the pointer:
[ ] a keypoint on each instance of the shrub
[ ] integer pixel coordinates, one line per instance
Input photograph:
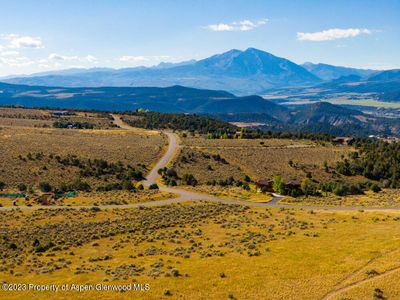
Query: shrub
(22, 187)
(12, 246)
(306, 186)
(339, 190)
(81, 186)
(171, 173)
(128, 185)
(279, 185)
(175, 272)
(154, 186)
(375, 188)
(378, 294)
(45, 187)
(189, 179)
(246, 186)
(63, 187)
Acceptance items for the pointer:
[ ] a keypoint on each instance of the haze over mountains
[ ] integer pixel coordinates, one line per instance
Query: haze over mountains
(240, 72)
(329, 72)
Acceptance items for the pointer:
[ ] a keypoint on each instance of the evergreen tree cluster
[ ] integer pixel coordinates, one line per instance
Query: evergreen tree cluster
(190, 122)
(375, 160)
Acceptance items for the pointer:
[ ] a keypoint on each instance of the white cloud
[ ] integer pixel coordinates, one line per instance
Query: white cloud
(220, 27)
(161, 57)
(16, 41)
(16, 62)
(141, 58)
(332, 34)
(9, 53)
(131, 58)
(59, 57)
(91, 58)
(245, 25)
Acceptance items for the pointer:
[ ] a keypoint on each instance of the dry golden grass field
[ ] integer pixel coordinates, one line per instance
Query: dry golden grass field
(204, 167)
(385, 198)
(190, 250)
(116, 197)
(33, 155)
(44, 118)
(232, 192)
(94, 198)
(203, 251)
(259, 159)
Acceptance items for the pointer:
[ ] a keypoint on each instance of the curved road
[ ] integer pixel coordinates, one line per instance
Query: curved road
(193, 196)
(167, 157)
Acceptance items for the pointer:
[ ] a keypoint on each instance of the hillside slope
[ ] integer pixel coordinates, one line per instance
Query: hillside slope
(170, 99)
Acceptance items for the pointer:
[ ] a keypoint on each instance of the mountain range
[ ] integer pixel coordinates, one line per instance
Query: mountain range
(316, 117)
(240, 72)
(328, 72)
(225, 86)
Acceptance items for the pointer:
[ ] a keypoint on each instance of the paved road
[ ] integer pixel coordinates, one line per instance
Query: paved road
(167, 157)
(184, 195)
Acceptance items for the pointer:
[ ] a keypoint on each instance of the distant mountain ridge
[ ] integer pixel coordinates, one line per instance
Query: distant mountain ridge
(330, 72)
(240, 72)
(389, 75)
(382, 86)
(320, 117)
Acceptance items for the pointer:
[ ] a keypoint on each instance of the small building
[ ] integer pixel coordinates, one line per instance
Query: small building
(62, 113)
(293, 185)
(46, 199)
(264, 186)
(345, 141)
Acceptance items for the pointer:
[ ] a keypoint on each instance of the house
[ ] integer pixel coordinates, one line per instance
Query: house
(46, 199)
(264, 186)
(62, 113)
(293, 185)
(345, 141)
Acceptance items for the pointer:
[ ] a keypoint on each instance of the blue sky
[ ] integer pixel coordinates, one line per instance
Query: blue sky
(37, 36)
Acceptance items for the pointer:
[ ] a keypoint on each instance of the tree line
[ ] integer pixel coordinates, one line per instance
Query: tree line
(374, 159)
(214, 128)
(190, 122)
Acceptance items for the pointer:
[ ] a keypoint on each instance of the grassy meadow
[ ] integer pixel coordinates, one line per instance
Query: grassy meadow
(32, 155)
(27, 117)
(204, 251)
(385, 198)
(258, 159)
(190, 250)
